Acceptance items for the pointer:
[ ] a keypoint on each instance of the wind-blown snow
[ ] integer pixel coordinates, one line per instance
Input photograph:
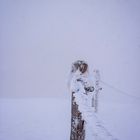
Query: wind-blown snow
(94, 128)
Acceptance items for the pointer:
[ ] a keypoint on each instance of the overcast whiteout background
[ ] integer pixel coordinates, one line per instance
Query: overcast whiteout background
(39, 39)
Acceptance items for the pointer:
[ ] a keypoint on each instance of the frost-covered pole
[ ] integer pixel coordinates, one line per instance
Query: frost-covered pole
(79, 68)
(81, 111)
(97, 90)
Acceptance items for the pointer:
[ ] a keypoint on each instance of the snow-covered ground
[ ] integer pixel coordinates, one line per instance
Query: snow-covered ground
(34, 119)
(120, 113)
(49, 118)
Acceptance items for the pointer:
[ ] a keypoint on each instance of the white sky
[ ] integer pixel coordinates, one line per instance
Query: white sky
(39, 39)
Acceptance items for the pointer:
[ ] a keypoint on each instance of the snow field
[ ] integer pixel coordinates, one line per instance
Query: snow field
(37, 119)
(49, 118)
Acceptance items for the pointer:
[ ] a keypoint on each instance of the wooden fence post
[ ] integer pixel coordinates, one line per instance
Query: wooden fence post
(77, 123)
(97, 89)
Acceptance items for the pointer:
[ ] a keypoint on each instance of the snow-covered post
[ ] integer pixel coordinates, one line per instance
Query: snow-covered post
(85, 124)
(76, 83)
(97, 90)
(77, 122)
(81, 89)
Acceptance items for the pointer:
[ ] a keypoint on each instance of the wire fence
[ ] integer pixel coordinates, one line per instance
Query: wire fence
(119, 90)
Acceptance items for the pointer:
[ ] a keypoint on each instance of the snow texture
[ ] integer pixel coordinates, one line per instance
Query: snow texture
(94, 128)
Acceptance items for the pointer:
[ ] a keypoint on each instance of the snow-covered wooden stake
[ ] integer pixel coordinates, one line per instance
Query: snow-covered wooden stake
(85, 124)
(77, 123)
(97, 90)
(82, 89)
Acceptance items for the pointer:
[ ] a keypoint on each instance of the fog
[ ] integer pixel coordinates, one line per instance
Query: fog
(39, 39)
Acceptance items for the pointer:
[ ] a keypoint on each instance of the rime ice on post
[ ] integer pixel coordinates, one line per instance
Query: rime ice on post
(85, 124)
(97, 89)
(81, 90)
